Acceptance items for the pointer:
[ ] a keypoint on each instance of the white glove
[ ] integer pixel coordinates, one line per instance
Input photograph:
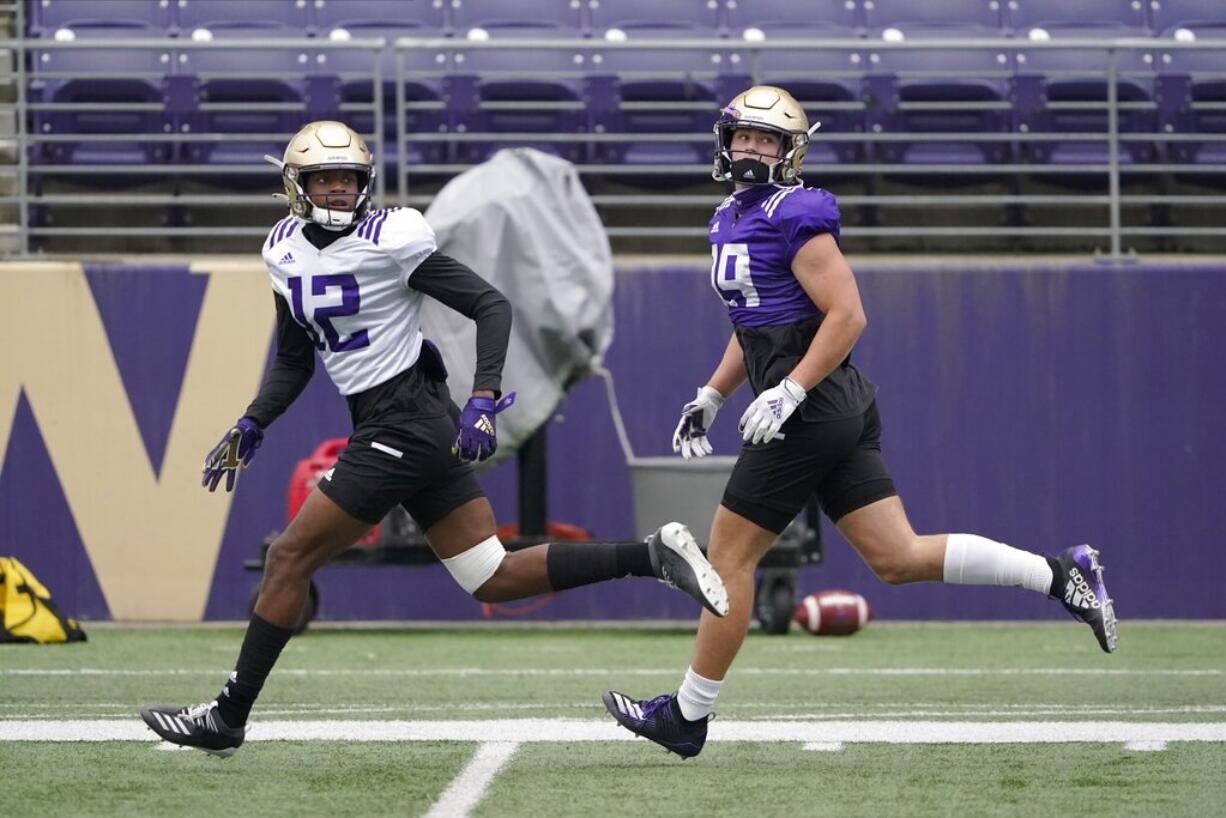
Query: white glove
(770, 410)
(690, 439)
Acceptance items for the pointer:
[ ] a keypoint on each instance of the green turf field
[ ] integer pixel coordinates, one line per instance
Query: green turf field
(897, 720)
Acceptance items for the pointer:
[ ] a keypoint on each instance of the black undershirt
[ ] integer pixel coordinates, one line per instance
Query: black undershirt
(440, 277)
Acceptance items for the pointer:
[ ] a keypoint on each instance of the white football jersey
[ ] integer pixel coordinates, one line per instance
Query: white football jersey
(353, 297)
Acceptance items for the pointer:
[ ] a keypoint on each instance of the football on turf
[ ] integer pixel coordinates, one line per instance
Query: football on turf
(833, 613)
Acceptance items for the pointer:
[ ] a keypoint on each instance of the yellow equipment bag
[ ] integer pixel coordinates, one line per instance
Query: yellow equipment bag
(27, 613)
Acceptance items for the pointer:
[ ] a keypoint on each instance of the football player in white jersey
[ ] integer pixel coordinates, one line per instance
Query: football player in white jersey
(348, 282)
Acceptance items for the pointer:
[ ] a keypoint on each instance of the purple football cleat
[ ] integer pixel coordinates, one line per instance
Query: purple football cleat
(1085, 595)
(660, 720)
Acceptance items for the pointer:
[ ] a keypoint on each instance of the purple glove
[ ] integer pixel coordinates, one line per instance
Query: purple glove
(478, 438)
(236, 448)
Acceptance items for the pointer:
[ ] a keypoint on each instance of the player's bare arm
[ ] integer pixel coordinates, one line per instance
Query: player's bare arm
(827, 278)
(730, 373)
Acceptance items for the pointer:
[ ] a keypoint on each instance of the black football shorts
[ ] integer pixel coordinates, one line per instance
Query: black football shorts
(838, 460)
(400, 452)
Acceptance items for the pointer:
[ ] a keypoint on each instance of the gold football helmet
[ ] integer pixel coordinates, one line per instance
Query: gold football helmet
(766, 108)
(325, 145)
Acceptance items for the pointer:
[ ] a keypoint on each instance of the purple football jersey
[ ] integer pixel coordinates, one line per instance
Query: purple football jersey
(755, 233)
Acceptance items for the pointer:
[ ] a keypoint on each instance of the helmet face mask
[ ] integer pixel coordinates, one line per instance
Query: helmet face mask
(764, 108)
(319, 146)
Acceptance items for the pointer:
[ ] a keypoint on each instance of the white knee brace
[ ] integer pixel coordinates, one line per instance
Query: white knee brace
(476, 565)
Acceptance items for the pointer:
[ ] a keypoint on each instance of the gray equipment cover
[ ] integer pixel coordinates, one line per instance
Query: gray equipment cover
(524, 222)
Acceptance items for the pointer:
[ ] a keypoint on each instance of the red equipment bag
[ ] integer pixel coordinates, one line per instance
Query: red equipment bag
(307, 475)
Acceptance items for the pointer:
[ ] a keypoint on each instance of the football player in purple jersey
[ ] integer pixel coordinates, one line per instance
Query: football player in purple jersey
(813, 427)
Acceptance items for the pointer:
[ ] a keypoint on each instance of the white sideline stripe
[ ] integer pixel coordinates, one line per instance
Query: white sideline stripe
(468, 788)
(824, 746)
(1049, 712)
(167, 747)
(407, 711)
(1145, 746)
(567, 730)
(670, 671)
(835, 709)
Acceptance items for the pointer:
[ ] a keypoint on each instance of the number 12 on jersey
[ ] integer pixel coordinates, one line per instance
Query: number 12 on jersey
(730, 271)
(321, 317)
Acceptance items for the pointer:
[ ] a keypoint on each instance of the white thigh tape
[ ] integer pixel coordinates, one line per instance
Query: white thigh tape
(476, 565)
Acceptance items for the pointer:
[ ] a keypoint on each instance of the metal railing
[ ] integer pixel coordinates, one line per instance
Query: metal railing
(179, 106)
(458, 105)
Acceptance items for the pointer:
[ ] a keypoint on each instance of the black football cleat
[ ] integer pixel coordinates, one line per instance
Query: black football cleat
(200, 727)
(1085, 594)
(679, 563)
(660, 720)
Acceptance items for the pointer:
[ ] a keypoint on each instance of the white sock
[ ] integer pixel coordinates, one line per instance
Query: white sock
(697, 695)
(974, 560)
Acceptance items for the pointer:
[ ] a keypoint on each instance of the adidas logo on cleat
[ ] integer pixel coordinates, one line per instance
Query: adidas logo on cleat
(1078, 593)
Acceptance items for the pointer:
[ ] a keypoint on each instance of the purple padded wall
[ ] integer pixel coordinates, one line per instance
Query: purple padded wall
(1041, 406)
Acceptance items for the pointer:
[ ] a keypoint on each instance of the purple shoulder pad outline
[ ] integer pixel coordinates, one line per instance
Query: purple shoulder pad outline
(371, 228)
(280, 231)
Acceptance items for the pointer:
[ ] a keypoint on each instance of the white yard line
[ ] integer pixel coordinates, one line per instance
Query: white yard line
(469, 787)
(571, 730)
(1007, 713)
(777, 711)
(872, 709)
(671, 671)
(824, 746)
(62, 712)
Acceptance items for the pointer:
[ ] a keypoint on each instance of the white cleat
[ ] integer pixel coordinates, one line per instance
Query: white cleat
(679, 563)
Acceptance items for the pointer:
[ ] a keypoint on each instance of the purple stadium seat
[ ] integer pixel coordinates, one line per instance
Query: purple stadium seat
(252, 77)
(828, 83)
(1195, 88)
(662, 91)
(425, 16)
(519, 91)
(840, 15)
(958, 78)
(985, 16)
(558, 17)
(1101, 17)
(1168, 15)
(94, 86)
(48, 15)
(1075, 76)
(290, 15)
(423, 86)
(681, 18)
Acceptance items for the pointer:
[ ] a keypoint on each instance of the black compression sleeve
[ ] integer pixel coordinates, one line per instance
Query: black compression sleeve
(290, 372)
(453, 284)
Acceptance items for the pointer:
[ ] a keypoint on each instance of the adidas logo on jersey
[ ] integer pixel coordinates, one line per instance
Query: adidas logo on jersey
(1077, 591)
(288, 258)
